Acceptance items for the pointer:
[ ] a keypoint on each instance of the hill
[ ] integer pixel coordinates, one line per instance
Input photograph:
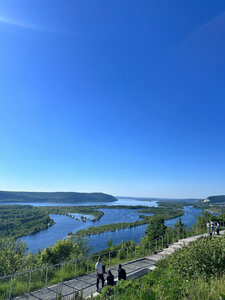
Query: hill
(60, 197)
(215, 199)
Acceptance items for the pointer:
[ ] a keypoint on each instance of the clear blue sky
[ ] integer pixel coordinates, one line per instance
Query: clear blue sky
(123, 97)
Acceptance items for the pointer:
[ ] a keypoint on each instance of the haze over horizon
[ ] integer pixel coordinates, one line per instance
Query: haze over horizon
(124, 98)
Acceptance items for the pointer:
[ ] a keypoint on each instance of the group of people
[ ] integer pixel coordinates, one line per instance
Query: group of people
(110, 278)
(213, 227)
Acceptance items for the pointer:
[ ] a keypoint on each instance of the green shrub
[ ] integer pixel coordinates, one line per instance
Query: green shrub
(204, 257)
(193, 272)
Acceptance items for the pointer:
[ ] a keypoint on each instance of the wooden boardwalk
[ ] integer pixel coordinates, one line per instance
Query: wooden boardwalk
(87, 283)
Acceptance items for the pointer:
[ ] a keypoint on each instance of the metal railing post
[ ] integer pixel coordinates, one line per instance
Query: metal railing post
(61, 273)
(29, 282)
(10, 290)
(87, 264)
(46, 278)
(109, 259)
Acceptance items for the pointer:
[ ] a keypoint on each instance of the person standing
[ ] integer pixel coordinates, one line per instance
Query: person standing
(99, 273)
(212, 227)
(121, 273)
(218, 228)
(208, 227)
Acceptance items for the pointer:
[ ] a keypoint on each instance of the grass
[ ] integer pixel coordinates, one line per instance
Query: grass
(115, 254)
(186, 274)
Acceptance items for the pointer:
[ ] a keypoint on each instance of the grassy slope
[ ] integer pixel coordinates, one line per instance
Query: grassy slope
(194, 272)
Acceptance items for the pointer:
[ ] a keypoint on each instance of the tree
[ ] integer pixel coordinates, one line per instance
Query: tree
(64, 250)
(179, 226)
(59, 252)
(155, 228)
(12, 256)
(109, 243)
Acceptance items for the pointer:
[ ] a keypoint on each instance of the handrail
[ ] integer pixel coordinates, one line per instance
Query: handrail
(173, 232)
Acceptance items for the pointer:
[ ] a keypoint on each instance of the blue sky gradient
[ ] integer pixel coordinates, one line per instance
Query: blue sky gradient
(123, 97)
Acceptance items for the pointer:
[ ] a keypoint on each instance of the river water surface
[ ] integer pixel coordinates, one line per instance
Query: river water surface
(64, 224)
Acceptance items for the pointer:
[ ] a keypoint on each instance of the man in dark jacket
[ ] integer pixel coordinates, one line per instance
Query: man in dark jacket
(121, 273)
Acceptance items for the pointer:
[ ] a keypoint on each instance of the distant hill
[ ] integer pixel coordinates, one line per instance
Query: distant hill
(60, 197)
(183, 200)
(215, 199)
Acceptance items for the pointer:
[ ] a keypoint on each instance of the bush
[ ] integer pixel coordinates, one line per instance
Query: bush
(193, 272)
(204, 257)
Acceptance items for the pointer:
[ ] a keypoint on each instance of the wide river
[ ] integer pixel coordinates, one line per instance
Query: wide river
(64, 224)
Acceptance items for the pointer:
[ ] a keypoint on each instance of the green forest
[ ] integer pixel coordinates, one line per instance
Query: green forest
(61, 197)
(20, 220)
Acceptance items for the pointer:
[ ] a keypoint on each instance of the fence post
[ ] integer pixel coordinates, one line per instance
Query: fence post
(10, 290)
(87, 264)
(75, 268)
(149, 248)
(46, 278)
(162, 242)
(29, 282)
(61, 273)
(127, 253)
(109, 259)
(156, 246)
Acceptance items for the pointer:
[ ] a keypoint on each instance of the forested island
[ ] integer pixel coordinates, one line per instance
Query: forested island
(165, 213)
(21, 220)
(55, 197)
